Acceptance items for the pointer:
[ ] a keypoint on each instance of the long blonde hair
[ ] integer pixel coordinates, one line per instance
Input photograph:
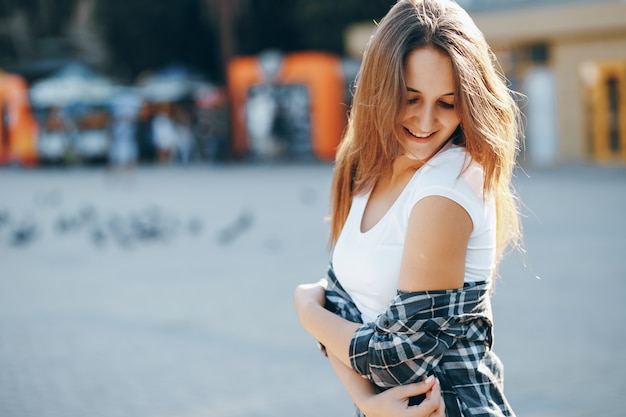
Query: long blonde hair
(489, 127)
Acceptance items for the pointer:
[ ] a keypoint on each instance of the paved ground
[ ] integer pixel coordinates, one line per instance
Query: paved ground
(167, 293)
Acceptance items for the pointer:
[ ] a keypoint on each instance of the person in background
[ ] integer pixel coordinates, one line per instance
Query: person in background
(124, 150)
(164, 134)
(422, 210)
(185, 139)
(145, 140)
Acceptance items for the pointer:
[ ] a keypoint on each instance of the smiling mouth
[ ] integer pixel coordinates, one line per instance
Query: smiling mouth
(419, 136)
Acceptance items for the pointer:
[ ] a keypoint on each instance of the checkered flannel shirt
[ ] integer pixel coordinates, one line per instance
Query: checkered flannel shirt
(445, 333)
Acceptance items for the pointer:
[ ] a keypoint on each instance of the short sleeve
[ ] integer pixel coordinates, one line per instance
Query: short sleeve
(454, 175)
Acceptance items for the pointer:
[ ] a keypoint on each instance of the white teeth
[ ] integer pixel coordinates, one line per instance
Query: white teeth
(418, 135)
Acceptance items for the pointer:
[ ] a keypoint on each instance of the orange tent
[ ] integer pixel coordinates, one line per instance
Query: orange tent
(321, 73)
(18, 128)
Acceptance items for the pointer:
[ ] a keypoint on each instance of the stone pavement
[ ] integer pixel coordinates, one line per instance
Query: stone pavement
(167, 292)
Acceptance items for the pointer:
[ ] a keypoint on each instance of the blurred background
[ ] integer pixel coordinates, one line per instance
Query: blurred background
(121, 83)
(164, 177)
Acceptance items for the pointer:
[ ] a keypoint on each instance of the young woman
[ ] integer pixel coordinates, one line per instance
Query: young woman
(422, 211)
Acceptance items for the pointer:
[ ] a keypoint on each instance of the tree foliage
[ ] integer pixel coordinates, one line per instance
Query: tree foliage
(291, 25)
(142, 35)
(145, 35)
(46, 18)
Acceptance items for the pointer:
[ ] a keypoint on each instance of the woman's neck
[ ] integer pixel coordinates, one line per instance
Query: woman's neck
(403, 164)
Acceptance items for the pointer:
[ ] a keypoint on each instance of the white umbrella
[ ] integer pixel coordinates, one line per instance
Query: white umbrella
(74, 83)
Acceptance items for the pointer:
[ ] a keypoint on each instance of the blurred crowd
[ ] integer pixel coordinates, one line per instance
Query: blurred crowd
(274, 106)
(78, 116)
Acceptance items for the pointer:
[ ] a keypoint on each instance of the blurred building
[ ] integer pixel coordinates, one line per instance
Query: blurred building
(568, 57)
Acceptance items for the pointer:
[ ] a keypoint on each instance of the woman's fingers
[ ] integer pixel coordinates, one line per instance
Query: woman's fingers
(435, 399)
(441, 411)
(436, 391)
(404, 392)
(394, 401)
(418, 388)
(432, 406)
(314, 292)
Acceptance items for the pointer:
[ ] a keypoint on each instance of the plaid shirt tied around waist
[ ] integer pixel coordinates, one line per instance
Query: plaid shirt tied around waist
(446, 333)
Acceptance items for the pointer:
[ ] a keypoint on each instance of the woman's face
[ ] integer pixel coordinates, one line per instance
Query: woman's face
(430, 117)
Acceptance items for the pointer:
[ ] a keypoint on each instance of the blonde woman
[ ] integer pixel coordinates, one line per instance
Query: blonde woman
(422, 212)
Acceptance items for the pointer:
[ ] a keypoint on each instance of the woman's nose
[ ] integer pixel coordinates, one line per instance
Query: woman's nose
(426, 119)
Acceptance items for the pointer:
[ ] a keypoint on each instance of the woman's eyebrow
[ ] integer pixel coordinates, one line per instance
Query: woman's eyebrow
(412, 90)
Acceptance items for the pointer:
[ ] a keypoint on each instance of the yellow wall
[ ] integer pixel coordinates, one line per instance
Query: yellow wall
(539, 23)
(575, 34)
(569, 58)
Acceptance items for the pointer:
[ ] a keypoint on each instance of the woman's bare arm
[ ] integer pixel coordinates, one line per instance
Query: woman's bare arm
(435, 246)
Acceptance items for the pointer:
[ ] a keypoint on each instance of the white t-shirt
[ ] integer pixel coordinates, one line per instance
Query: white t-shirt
(368, 264)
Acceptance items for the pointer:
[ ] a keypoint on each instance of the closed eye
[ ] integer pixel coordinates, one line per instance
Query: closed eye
(445, 105)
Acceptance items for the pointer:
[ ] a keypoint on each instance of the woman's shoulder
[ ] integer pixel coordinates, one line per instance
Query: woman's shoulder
(453, 174)
(450, 165)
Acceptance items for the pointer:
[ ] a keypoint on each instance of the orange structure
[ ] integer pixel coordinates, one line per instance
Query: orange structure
(322, 75)
(18, 128)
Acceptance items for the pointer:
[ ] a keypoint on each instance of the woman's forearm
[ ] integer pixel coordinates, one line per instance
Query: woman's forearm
(329, 329)
(359, 388)
(336, 334)
(393, 402)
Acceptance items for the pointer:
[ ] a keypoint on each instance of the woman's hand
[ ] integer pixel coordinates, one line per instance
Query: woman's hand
(307, 294)
(435, 396)
(394, 402)
(329, 329)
